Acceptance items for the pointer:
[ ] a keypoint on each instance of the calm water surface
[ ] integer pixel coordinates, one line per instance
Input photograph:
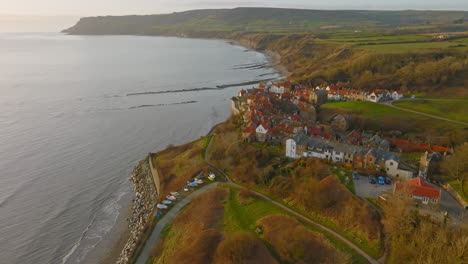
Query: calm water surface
(70, 135)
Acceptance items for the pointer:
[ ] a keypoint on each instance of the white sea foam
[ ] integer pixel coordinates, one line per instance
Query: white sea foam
(101, 224)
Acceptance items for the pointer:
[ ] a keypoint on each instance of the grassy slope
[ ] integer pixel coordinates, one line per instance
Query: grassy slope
(179, 164)
(456, 110)
(379, 112)
(282, 186)
(201, 218)
(239, 217)
(269, 20)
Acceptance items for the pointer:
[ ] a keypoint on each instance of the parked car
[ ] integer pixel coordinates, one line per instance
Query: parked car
(388, 180)
(381, 180)
(372, 179)
(355, 176)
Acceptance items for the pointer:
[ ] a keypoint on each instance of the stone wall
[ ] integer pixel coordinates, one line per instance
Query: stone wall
(154, 172)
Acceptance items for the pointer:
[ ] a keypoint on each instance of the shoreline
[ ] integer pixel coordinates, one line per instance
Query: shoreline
(274, 58)
(118, 253)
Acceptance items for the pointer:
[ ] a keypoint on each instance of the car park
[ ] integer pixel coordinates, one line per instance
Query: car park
(372, 179)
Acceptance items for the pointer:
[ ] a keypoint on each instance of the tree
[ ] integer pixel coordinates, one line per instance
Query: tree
(455, 166)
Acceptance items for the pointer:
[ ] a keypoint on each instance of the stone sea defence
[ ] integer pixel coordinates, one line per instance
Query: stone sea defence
(143, 209)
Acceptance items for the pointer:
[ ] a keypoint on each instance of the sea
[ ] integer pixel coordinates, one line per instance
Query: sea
(76, 115)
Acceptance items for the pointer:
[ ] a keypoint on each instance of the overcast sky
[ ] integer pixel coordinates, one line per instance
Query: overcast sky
(64, 11)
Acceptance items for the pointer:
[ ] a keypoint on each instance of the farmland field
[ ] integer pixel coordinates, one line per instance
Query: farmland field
(411, 47)
(380, 113)
(451, 109)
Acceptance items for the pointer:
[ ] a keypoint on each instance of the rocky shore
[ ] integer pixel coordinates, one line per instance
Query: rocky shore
(143, 206)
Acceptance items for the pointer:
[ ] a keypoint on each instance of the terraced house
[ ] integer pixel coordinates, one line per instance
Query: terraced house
(350, 155)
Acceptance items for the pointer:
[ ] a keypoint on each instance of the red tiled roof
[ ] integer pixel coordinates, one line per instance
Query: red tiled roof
(249, 130)
(418, 187)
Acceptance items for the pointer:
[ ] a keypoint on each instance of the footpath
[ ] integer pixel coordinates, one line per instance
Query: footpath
(170, 215)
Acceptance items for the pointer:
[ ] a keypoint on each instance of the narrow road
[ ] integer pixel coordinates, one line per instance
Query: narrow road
(166, 219)
(176, 210)
(390, 103)
(287, 209)
(304, 218)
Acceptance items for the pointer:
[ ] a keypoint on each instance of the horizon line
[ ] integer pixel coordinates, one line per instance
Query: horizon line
(259, 7)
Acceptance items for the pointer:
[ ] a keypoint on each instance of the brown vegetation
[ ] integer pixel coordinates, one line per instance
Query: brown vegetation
(242, 248)
(336, 202)
(196, 237)
(179, 164)
(305, 182)
(297, 244)
(195, 232)
(416, 239)
(313, 61)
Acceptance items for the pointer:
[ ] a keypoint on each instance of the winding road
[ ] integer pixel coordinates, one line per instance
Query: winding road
(177, 209)
(302, 217)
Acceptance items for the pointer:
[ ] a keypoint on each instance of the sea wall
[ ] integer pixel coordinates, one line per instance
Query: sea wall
(143, 208)
(154, 172)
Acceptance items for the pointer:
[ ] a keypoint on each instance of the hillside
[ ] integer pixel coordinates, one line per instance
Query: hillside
(225, 21)
(408, 50)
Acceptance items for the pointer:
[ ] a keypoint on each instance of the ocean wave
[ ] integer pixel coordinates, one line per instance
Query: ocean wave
(102, 222)
(77, 243)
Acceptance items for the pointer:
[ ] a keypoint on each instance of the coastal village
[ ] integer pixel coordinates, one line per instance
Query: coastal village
(285, 115)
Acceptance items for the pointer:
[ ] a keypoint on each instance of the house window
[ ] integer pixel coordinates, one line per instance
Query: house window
(391, 163)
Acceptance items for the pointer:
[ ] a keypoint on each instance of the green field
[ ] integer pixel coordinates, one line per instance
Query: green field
(451, 109)
(239, 217)
(380, 39)
(411, 47)
(380, 113)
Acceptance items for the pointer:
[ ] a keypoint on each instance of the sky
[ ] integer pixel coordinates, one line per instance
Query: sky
(37, 15)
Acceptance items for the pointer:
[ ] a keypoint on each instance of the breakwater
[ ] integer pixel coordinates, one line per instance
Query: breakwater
(143, 209)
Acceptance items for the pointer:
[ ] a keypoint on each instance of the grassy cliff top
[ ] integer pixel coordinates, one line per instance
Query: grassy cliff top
(270, 20)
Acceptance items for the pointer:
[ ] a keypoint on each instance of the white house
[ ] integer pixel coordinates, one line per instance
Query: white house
(397, 95)
(373, 97)
(337, 155)
(391, 168)
(291, 148)
(261, 132)
(279, 89)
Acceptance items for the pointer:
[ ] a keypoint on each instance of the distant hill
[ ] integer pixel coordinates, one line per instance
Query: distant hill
(424, 51)
(215, 22)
